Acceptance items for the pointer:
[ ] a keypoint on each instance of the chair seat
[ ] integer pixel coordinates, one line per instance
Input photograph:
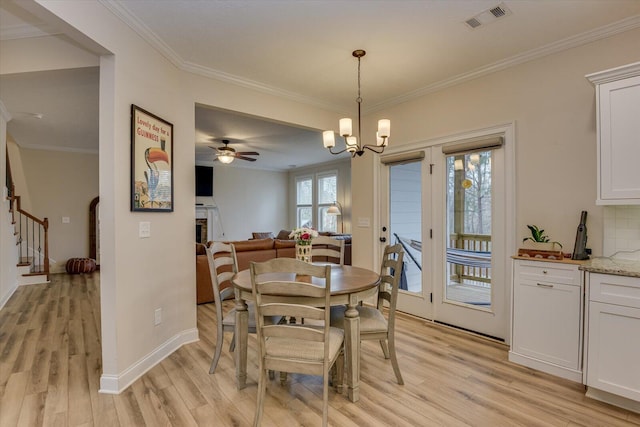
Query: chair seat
(371, 320)
(229, 319)
(291, 348)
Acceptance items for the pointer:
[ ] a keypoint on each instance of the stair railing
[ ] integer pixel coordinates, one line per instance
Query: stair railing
(32, 233)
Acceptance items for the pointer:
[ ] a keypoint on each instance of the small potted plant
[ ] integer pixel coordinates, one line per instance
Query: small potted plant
(539, 245)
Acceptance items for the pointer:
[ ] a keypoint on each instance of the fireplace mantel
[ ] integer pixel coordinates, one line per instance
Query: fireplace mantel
(214, 223)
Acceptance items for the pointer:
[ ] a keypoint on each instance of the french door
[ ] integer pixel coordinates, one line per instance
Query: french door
(406, 197)
(450, 209)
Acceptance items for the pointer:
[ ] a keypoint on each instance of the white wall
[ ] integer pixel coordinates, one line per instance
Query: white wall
(62, 184)
(8, 254)
(17, 174)
(250, 200)
(553, 107)
(551, 102)
(140, 275)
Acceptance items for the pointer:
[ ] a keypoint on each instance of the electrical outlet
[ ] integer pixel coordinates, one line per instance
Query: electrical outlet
(158, 316)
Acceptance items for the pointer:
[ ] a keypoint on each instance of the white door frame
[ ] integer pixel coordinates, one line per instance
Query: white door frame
(502, 262)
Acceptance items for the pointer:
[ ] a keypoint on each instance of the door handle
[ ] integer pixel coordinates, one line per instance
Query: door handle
(383, 239)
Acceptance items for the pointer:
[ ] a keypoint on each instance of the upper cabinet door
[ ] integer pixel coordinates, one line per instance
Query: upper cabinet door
(618, 104)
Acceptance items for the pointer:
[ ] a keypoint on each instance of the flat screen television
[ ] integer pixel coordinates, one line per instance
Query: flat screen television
(204, 181)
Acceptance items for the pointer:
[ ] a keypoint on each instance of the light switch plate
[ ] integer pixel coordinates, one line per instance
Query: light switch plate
(66, 220)
(144, 229)
(363, 222)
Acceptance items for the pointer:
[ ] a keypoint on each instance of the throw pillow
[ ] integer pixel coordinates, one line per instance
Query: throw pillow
(262, 235)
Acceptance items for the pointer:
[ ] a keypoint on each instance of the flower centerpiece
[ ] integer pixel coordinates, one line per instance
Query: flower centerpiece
(303, 237)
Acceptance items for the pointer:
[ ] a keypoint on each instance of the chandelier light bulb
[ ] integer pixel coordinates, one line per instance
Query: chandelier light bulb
(346, 127)
(328, 139)
(384, 128)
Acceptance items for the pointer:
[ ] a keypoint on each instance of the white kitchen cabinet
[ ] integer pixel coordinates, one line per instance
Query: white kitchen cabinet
(618, 134)
(547, 314)
(613, 346)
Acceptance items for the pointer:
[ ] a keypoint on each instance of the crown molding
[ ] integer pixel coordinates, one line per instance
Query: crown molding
(626, 24)
(56, 148)
(132, 21)
(258, 86)
(23, 31)
(141, 29)
(150, 37)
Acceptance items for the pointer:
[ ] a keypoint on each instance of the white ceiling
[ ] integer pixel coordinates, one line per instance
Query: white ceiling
(302, 50)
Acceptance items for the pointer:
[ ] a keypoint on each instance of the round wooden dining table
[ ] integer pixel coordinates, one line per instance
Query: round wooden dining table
(349, 286)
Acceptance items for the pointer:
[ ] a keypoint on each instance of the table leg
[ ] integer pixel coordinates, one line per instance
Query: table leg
(352, 349)
(242, 336)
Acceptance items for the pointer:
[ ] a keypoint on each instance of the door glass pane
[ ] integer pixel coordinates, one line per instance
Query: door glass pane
(405, 220)
(469, 206)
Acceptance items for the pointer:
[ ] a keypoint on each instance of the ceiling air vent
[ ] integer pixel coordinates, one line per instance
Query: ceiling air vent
(473, 23)
(488, 16)
(498, 11)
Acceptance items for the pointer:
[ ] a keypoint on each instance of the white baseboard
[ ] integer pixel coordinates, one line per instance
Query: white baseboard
(612, 399)
(549, 368)
(115, 384)
(8, 295)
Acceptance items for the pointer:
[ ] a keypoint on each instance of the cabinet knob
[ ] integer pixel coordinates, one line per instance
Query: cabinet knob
(544, 271)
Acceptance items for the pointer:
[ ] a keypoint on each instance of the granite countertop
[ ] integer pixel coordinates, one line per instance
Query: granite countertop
(620, 267)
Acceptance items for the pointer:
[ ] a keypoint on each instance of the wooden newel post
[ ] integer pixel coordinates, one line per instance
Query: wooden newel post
(45, 225)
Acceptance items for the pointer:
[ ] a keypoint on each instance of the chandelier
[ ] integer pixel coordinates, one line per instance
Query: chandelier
(353, 144)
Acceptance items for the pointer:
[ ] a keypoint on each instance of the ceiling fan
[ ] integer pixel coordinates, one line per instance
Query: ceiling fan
(227, 154)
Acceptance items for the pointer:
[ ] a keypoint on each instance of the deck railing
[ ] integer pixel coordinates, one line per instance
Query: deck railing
(470, 242)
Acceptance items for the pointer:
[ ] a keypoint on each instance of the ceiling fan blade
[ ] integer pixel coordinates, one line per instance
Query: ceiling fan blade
(245, 158)
(247, 153)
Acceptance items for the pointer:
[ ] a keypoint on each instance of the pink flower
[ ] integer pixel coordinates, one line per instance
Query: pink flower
(305, 236)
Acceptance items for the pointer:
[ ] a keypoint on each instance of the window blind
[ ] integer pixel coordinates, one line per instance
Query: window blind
(474, 144)
(397, 159)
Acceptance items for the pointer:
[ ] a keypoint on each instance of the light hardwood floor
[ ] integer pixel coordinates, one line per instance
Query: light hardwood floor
(50, 365)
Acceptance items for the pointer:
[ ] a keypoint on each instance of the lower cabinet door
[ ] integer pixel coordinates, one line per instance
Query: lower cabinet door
(613, 364)
(547, 322)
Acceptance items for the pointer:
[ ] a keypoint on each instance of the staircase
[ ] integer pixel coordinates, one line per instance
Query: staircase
(32, 240)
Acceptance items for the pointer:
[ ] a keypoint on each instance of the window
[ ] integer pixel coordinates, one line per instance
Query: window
(304, 201)
(319, 201)
(327, 192)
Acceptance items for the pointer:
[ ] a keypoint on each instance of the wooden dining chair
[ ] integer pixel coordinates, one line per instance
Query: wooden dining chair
(325, 246)
(299, 348)
(373, 323)
(220, 255)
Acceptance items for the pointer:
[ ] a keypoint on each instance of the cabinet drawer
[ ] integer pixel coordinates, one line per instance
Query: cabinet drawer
(549, 272)
(612, 289)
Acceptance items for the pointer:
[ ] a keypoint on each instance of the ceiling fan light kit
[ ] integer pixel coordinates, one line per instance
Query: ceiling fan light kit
(352, 143)
(228, 154)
